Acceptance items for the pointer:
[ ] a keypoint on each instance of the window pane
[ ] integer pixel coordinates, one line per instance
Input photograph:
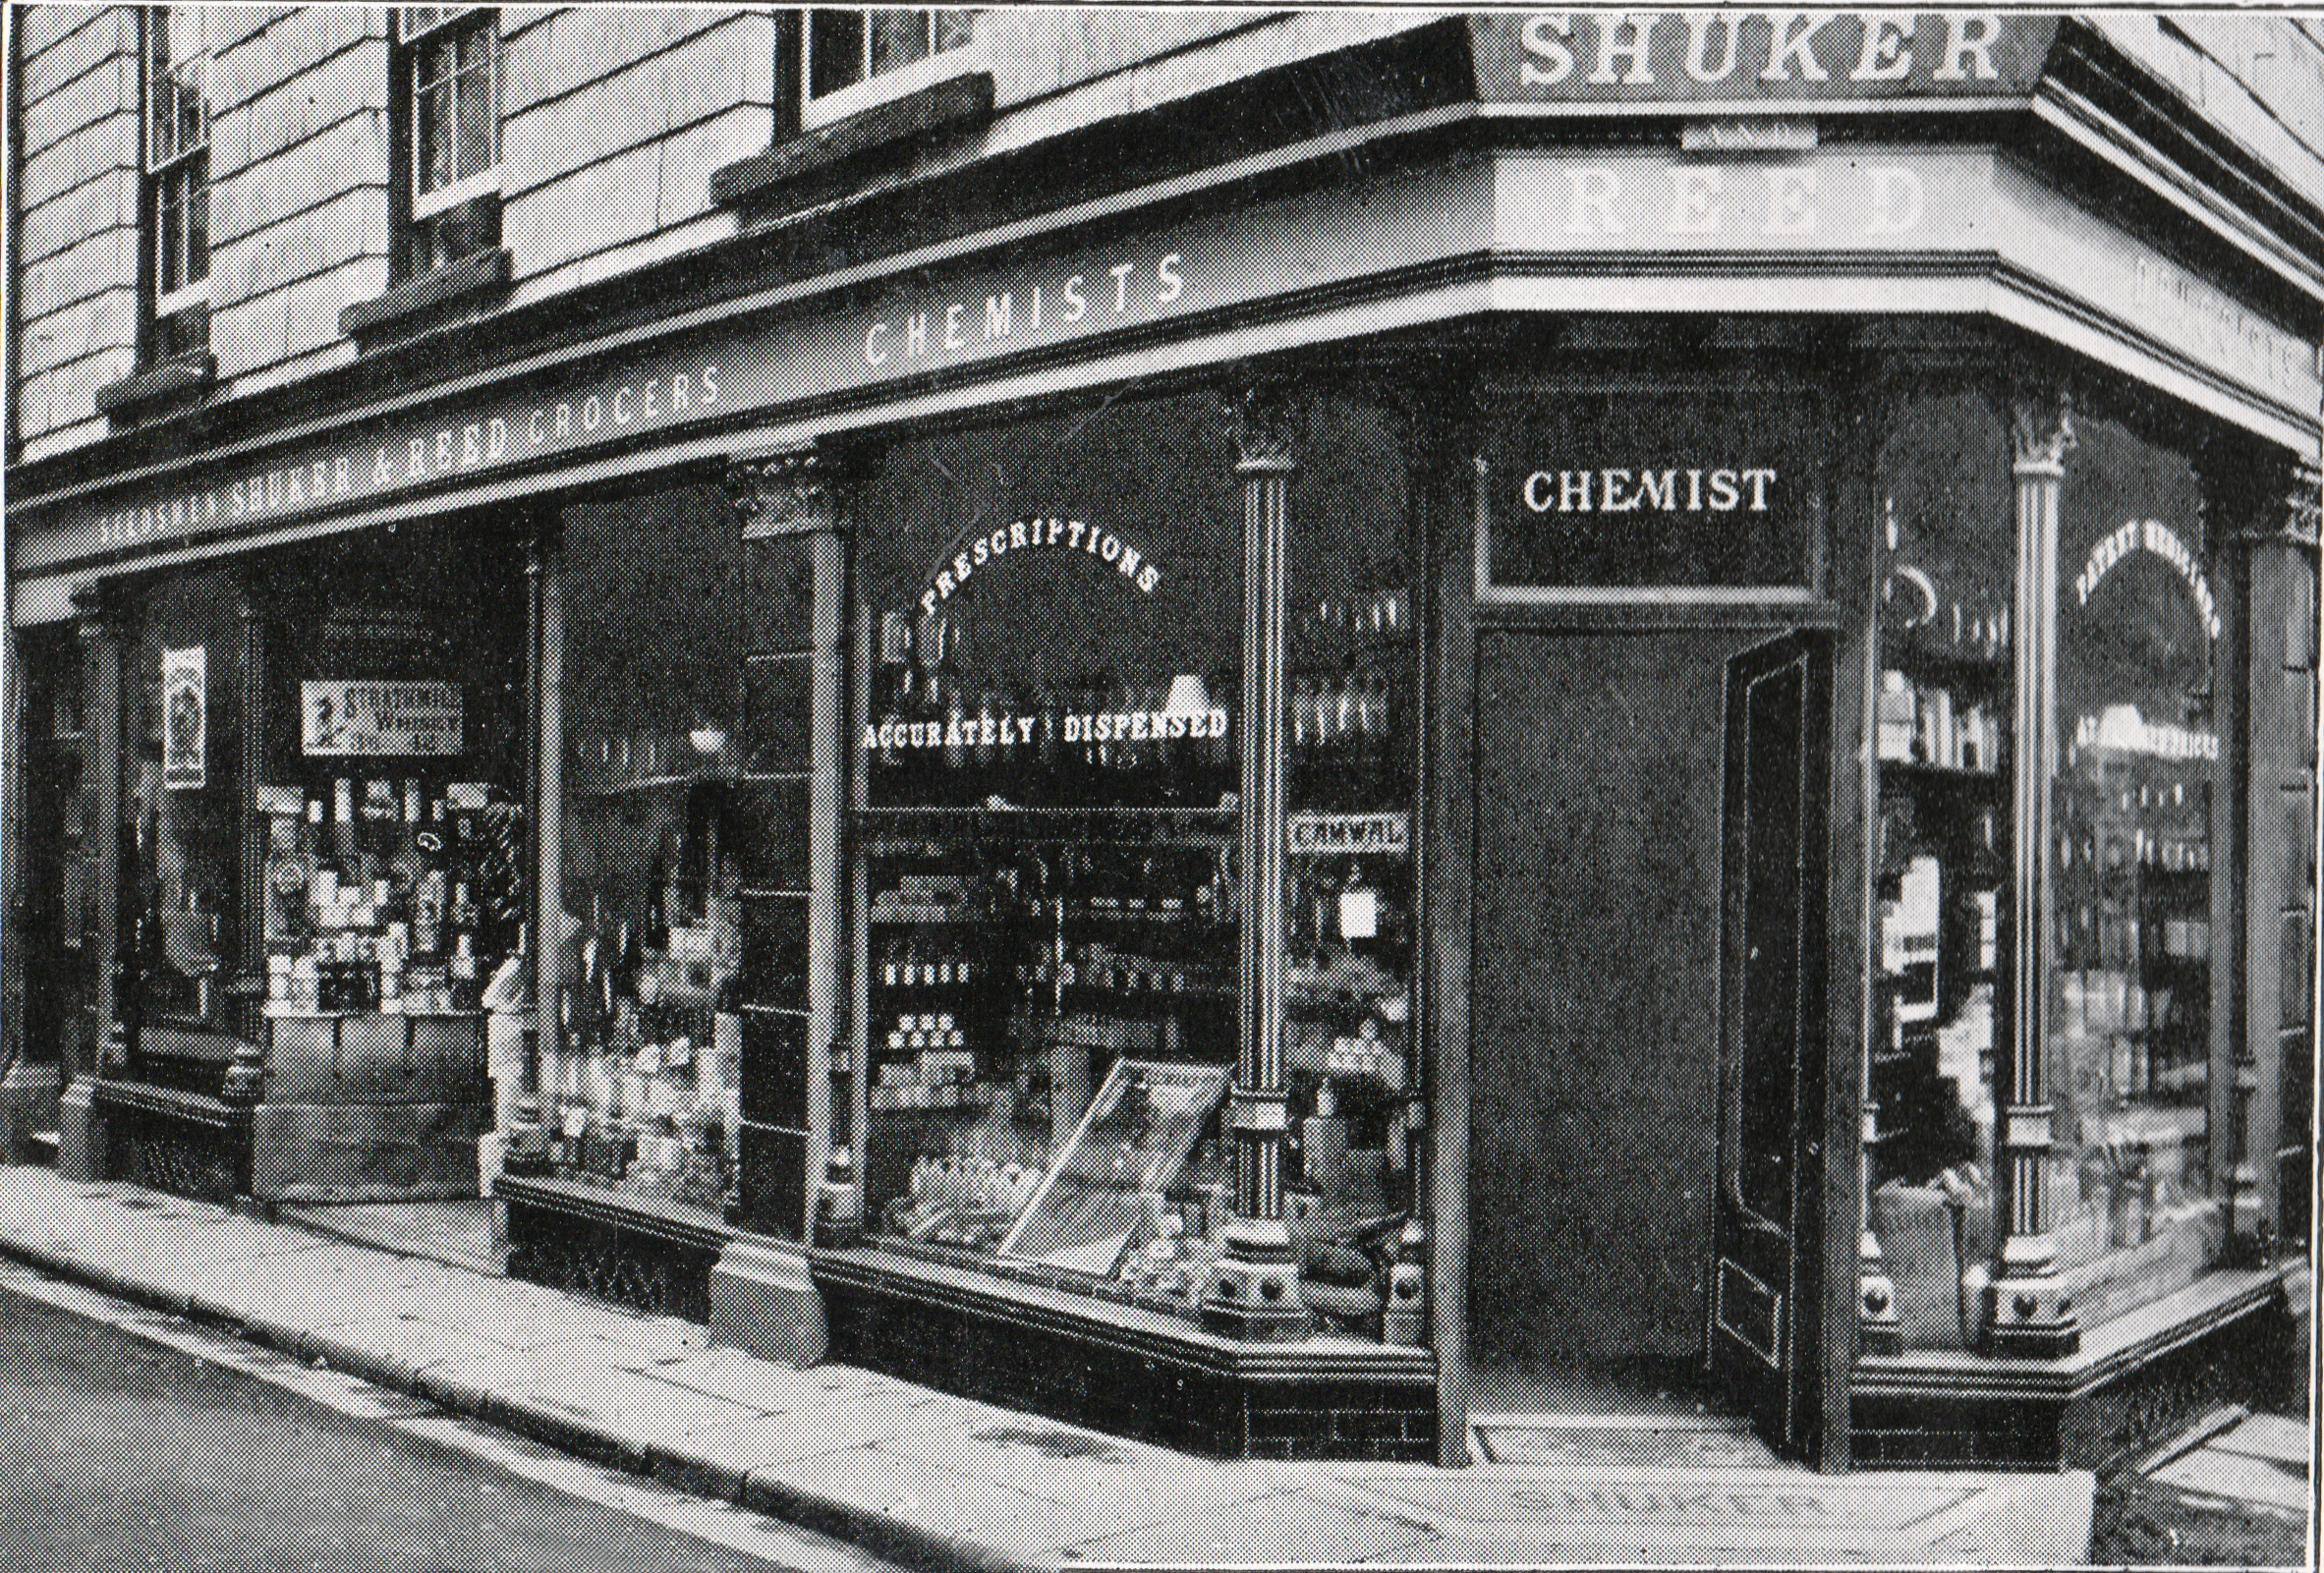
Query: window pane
(1352, 659)
(953, 30)
(1940, 715)
(2129, 1001)
(169, 236)
(198, 219)
(835, 51)
(182, 893)
(898, 37)
(192, 130)
(431, 137)
(475, 97)
(660, 844)
(1055, 627)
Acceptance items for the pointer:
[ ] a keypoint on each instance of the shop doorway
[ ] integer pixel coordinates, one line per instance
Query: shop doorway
(1595, 1064)
(1765, 1214)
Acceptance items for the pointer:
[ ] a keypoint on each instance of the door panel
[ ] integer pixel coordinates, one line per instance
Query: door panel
(1765, 1218)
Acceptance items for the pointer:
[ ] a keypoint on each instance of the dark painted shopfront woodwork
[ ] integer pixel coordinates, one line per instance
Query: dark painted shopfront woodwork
(1214, 832)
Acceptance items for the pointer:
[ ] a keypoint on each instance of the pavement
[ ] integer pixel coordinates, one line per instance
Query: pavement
(2236, 1459)
(933, 1481)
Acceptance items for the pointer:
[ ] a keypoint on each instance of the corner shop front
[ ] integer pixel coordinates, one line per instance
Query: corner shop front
(1489, 566)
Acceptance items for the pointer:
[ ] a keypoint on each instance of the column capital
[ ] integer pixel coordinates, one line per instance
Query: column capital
(797, 493)
(2302, 519)
(2264, 497)
(2041, 427)
(100, 607)
(1268, 425)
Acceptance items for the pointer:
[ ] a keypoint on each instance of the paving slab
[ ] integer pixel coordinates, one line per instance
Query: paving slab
(1130, 1487)
(641, 1410)
(2260, 1482)
(882, 1493)
(394, 1347)
(2277, 1439)
(543, 1327)
(1286, 1527)
(730, 1374)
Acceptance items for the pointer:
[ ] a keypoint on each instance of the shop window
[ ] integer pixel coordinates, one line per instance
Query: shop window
(181, 886)
(1050, 943)
(177, 181)
(391, 789)
(2136, 1187)
(854, 57)
(450, 66)
(1350, 1043)
(1941, 721)
(669, 821)
(53, 853)
(1049, 751)
(2136, 1204)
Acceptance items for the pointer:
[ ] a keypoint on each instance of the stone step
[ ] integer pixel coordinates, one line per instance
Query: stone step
(41, 1147)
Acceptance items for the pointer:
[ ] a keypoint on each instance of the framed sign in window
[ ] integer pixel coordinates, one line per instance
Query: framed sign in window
(366, 718)
(1612, 491)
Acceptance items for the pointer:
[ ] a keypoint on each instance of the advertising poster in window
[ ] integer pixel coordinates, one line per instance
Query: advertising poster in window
(371, 718)
(184, 718)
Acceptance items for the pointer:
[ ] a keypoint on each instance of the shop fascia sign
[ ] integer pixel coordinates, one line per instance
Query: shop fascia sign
(1920, 200)
(991, 314)
(1756, 59)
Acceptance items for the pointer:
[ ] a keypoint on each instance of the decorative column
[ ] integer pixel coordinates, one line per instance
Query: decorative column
(245, 1078)
(544, 567)
(2029, 1309)
(81, 1151)
(1254, 1292)
(797, 1181)
(2269, 705)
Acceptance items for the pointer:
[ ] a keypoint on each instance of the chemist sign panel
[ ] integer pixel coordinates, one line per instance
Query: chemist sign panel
(1597, 490)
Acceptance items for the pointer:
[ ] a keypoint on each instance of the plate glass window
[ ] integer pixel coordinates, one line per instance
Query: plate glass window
(177, 166)
(1941, 720)
(2138, 1176)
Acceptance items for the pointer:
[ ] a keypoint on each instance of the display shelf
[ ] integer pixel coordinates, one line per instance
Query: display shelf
(1921, 771)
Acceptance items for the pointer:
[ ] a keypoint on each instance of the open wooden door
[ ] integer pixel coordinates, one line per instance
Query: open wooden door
(1766, 1230)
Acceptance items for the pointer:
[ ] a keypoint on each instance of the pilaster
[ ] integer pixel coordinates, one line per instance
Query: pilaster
(1255, 1293)
(2028, 1309)
(796, 1171)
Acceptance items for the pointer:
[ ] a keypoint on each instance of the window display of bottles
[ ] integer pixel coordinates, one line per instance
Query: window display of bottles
(376, 898)
(642, 1093)
(1007, 981)
(1348, 938)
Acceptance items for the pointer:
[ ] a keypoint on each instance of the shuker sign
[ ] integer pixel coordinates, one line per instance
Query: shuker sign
(1729, 56)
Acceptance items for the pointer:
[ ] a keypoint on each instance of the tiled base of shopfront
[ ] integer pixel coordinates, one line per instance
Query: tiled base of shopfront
(2233, 1337)
(1124, 1370)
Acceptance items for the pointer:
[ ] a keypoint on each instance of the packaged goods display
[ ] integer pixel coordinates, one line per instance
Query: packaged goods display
(1048, 950)
(390, 895)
